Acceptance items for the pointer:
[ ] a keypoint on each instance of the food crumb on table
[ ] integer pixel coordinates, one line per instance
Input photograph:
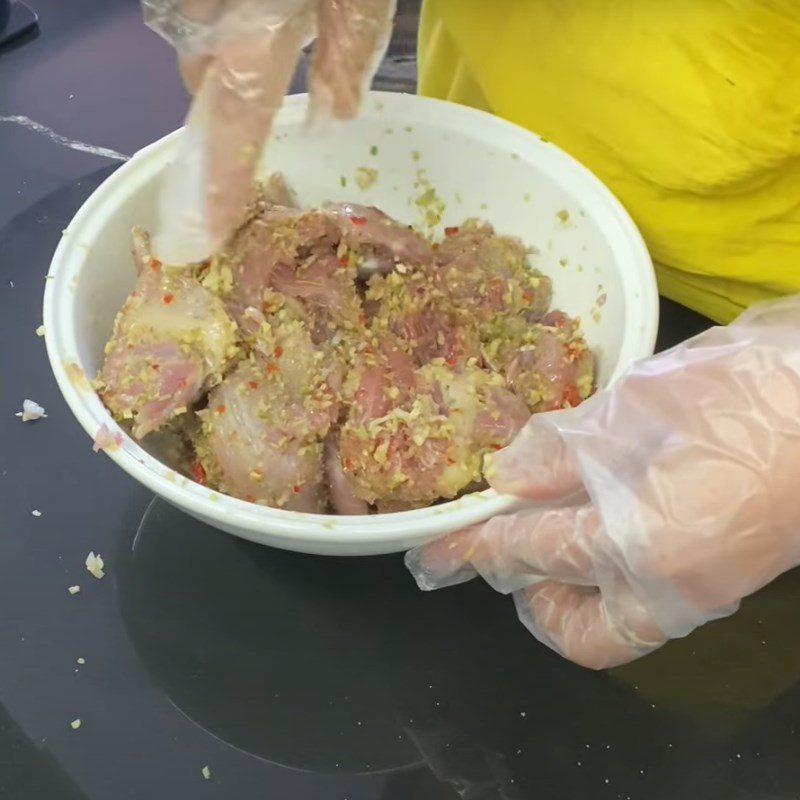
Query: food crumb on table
(75, 724)
(73, 589)
(31, 410)
(206, 772)
(95, 564)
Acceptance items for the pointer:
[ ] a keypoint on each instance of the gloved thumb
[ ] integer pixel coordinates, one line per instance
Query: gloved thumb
(537, 465)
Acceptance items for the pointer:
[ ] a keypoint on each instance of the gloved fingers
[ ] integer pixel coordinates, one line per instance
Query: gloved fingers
(248, 82)
(193, 69)
(537, 466)
(353, 37)
(210, 183)
(575, 622)
(513, 551)
(443, 562)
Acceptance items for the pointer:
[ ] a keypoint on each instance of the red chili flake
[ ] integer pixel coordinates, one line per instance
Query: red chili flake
(220, 409)
(571, 396)
(451, 461)
(358, 220)
(168, 298)
(155, 367)
(249, 498)
(155, 264)
(296, 489)
(451, 231)
(278, 352)
(496, 447)
(527, 296)
(348, 463)
(344, 261)
(253, 384)
(198, 473)
(272, 368)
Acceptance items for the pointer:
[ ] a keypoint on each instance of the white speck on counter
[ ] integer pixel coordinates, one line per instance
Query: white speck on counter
(31, 410)
(95, 564)
(75, 724)
(36, 512)
(523, 713)
(71, 96)
(81, 660)
(40, 330)
(11, 284)
(206, 772)
(74, 589)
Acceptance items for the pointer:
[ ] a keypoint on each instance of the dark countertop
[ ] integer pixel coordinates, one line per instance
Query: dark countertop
(291, 676)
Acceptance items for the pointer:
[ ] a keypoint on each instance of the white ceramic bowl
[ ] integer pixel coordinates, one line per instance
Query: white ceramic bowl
(478, 165)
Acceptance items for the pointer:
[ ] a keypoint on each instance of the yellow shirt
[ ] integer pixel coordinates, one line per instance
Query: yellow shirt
(689, 110)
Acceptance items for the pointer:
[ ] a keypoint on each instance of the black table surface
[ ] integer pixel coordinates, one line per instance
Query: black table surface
(291, 676)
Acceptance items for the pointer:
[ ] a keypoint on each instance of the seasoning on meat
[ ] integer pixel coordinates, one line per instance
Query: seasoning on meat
(335, 358)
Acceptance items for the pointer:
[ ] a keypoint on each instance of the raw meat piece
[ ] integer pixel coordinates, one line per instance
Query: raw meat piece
(414, 438)
(489, 275)
(172, 341)
(555, 370)
(416, 308)
(378, 242)
(262, 432)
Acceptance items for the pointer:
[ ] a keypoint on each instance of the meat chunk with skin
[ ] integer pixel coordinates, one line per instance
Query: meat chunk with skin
(299, 255)
(172, 340)
(417, 309)
(261, 436)
(554, 369)
(429, 440)
(490, 275)
(343, 496)
(377, 241)
(274, 237)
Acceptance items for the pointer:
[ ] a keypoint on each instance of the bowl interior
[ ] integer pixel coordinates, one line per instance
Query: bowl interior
(429, 164)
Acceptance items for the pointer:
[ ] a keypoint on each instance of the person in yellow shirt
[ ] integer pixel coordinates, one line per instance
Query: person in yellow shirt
(664, 500)
(688, 110)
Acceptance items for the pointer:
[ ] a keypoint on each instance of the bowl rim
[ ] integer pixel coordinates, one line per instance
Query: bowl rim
(262, 522)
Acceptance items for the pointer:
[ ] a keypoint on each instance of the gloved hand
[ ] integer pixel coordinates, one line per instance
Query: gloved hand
(661, 502)
(237, 57)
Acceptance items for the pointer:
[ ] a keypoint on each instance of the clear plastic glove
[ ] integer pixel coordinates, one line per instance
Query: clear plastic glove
(669, 497)
(237, 57)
